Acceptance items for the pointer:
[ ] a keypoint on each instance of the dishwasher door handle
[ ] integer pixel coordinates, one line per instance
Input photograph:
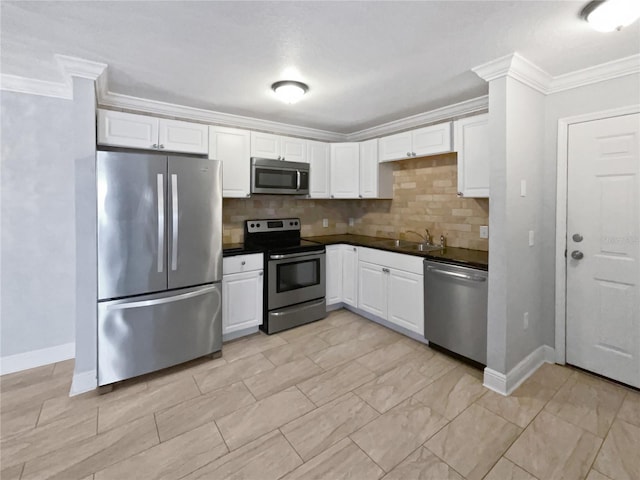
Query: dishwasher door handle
(464, 276)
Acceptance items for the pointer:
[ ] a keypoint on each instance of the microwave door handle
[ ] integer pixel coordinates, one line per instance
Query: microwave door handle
(298, 175)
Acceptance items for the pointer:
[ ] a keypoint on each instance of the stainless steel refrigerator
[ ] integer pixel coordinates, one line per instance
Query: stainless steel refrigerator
(159, 261)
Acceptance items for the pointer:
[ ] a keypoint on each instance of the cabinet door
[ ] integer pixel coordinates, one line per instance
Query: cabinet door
(231, 146)
(293, 149)
(369, 168)
(432, 140)
(372, 289)
(406, 300)
(472, 145)
(395, 147)
(334, 274)
(265, 145)
(345, 170)
(319, 164)
(121, 129)
(177, 136)
(241, 301)
(350, 275)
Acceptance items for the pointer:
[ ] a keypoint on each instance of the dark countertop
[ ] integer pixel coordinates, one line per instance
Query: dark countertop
(232, 249)
(452, 255)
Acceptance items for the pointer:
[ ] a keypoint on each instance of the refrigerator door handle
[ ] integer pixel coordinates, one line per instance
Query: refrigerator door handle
(174, 225)
(163, 300)
(160, 192)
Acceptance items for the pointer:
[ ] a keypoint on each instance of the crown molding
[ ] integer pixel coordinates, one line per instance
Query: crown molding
(79, 67)
(32, 86)
(117, 100)
(515, 66)
(450, 112)
(598, 73)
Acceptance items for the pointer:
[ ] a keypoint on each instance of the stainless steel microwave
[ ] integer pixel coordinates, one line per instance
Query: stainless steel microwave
(279, 177)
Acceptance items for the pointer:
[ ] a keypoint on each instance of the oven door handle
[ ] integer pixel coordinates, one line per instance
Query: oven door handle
(294, 255)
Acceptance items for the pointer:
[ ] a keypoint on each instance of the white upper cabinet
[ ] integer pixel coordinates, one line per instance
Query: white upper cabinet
(345, 170)
(320, 167)
(278, 147)
(376, 181)
(430, 140)
(472, 145)
(178, 136)
(121, 129)
(231, 146)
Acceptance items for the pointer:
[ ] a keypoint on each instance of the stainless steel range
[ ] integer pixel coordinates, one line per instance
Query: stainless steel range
(294, 287)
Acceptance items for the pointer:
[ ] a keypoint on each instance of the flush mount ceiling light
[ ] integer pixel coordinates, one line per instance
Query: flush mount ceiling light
(610, 15)
(289, 91)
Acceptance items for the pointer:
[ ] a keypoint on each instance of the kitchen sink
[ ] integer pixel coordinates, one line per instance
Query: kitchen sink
(407, 245)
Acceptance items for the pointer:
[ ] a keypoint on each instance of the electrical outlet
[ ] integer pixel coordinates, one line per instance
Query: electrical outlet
(325, 222)
(484, 231)
(351, 222)
(531, 238)
(526, 320)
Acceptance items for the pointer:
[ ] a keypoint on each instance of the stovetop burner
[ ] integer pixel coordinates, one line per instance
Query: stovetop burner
(277, 236)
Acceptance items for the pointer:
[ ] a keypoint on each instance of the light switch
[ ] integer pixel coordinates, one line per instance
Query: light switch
(523, 188)
(351, 222)
(484, 231)
(325, 222)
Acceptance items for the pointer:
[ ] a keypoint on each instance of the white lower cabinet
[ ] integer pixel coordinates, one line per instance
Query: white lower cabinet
(241, 292)
(341, 274)
(390, 286)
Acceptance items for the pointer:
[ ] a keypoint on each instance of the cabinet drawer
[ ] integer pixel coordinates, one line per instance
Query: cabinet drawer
(398, 261)
(242, 263)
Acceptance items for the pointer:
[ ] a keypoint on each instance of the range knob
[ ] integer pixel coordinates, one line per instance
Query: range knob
(258, 225)
(253, 225)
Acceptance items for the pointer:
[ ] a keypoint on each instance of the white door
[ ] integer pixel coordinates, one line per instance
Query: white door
(395, 147)
(231, 146)
(293, 149)
(320, 173)
(369, 168)
(603, 218)
(121, 129)
(345, 170)
(372, 289)
(334, 274)
(432, 140)
(265, 145)
(406, 304)
(241, 301)
(350, 275)
(187, 137)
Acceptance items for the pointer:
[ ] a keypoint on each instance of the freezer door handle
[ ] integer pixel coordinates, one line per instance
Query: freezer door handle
(174, 222)
(474, 278)
(160, 193)
(160, 301)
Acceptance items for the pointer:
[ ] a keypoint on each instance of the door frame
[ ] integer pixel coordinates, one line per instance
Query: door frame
(561, 217)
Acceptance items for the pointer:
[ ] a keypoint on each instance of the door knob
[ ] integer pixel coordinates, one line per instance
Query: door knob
(577, 237)
(577, 255)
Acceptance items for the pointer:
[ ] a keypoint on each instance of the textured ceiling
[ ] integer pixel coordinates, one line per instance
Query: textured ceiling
(366, 63)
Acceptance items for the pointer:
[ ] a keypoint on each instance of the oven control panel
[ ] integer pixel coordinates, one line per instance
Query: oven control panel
(273, 225)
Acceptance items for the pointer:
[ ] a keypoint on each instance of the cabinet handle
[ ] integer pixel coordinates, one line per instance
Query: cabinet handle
(385, 270)
(359, 196)
(243, 263)
(408, 154)
(413, 153)
(261, 273)
(155, 145)
(161, 146)
(332, 196)
(248, 194)
(460, 194)
(354, 249)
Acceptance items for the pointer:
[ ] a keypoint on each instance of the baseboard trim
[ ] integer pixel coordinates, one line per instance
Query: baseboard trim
(84, 382)
(37, 358)
(391, 326)
(506, 384)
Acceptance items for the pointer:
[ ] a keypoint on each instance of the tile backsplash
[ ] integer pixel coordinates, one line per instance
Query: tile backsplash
(236, 210)
(424, 196)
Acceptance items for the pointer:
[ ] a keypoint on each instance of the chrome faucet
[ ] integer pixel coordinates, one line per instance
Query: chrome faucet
(426, 238)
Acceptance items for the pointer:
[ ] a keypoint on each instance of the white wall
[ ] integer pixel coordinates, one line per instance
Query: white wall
(516, 122)
(37, 281)
(610, 94)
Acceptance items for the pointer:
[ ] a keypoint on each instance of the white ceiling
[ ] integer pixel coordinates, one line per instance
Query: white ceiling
(366, 63)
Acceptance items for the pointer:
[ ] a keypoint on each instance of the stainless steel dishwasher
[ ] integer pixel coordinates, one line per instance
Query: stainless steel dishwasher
(455, 309)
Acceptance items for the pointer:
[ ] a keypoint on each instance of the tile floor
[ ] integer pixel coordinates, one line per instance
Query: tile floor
(336, 399)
